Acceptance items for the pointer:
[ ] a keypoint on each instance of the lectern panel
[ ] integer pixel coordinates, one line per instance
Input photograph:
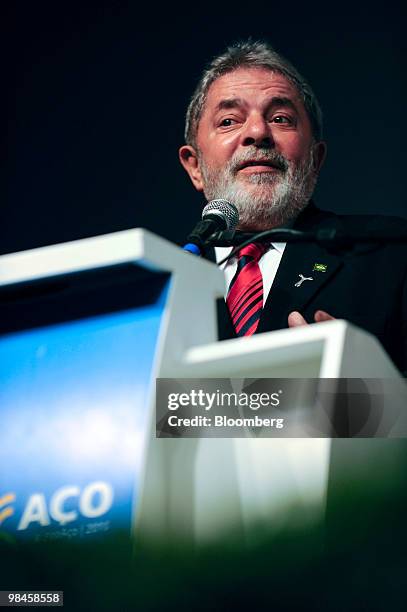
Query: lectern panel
(74, 402)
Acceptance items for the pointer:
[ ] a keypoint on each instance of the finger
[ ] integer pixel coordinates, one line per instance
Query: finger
(320, 316)
(295, 319)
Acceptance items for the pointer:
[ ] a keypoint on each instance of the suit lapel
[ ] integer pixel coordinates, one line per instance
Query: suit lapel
(226, 329)
(297, 264)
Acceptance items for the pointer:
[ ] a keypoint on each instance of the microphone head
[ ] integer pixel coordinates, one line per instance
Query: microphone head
(224, 209)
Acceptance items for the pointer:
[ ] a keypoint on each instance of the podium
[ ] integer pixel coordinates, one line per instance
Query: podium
(86, 329)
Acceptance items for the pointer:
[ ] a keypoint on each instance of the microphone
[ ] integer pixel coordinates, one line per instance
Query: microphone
(218, 215)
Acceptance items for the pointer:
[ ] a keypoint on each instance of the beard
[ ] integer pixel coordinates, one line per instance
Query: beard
(263, 199)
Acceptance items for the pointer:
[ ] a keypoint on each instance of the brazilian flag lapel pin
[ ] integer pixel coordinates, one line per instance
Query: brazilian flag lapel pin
(319, 267)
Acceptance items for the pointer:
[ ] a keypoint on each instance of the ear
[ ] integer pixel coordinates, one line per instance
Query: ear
(319, 151)
(189, 159)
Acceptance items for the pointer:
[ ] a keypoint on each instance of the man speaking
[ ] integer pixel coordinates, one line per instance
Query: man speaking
(254, 137)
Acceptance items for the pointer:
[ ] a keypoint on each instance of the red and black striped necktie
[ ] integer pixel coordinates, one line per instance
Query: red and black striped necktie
(245, 295)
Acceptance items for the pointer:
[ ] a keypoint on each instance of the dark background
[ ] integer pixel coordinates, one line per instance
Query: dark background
(97, 94)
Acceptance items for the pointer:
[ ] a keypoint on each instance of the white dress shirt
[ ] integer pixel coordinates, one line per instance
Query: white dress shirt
(268, 265)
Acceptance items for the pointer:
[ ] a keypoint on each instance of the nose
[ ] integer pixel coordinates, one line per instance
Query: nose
(257, 132)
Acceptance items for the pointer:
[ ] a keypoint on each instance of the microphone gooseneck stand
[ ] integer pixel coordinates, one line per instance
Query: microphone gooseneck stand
(330, 238)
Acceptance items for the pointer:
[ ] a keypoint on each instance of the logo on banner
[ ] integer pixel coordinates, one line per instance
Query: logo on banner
(5, 509)
(93, 501)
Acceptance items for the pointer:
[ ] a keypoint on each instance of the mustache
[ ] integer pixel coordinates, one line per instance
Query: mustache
(275, 158)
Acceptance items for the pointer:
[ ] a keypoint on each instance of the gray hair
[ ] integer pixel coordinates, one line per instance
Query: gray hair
(250, 54)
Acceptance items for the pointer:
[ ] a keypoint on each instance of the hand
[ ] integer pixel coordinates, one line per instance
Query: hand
(295, 319)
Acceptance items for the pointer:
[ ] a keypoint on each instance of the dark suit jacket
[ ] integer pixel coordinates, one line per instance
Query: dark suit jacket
(366, 285)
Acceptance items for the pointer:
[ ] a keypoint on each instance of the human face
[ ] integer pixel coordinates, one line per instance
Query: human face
(255, 147)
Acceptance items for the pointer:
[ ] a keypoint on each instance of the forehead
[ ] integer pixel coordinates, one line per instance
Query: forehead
(253, 84)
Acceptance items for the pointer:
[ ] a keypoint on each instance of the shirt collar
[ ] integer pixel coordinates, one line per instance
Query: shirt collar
(222, 252)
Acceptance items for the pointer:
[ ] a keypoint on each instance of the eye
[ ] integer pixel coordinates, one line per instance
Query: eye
(227, 122)
(282, 119)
